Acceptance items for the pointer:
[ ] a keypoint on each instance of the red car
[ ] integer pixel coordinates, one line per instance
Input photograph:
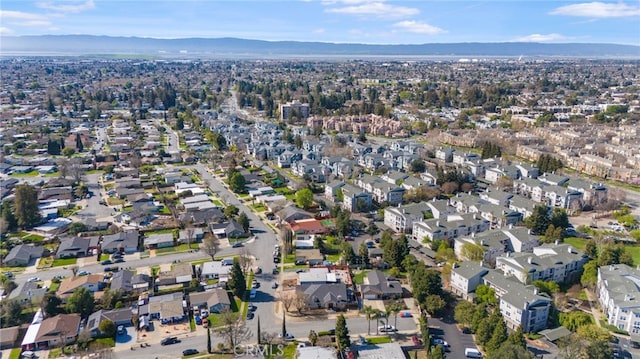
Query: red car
(416, 340)
(405, 315)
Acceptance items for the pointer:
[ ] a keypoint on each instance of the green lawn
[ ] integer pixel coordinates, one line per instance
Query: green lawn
(161, 231)
(358, 278)
(104, 257)
(15, 353)
(64, 262)
(290, 258)
(33, 237)
(54, 287)
(577, 243)
(333, 258)
(635, 253)
(177, 249)
(28, 174)
(259, 207)
(379, 340)
(218, 203)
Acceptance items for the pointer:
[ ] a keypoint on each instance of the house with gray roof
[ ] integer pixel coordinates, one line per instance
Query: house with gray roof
(215, 301)
(28, 292)
(22, 254)
(129, 282)
(355, 199)
(618, 289)
(400, 219)
(121, 242)
(556, 262)
(327, 295)
(453, 226)
(73, 247)
(121, 316)
(159, 240)
(378, 286)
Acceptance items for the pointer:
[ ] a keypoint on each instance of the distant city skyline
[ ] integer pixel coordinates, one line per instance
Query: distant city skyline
(337, 21)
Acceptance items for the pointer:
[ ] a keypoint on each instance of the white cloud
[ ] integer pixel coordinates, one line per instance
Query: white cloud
(419, 27)
(26, 19)
(68, 7)
(376, 8)
(319, 31)
(5, 31)
(541, 38)
(598, 10)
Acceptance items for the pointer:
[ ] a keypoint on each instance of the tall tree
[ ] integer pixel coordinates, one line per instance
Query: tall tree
(26, 208)
(243, 220)
(464, 312)
(51, 304)
(210, 245)
(79, 144)
(209, 349)
(233, 330)
(237, 282)
(259, 334)
(304, 198)
(237, 183)
(10, 313)
(363, 253)
(107, 328)
(81, 302)
(342, 333)
(539, 220)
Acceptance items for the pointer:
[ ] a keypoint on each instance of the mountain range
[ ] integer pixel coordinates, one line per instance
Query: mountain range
(226, 47)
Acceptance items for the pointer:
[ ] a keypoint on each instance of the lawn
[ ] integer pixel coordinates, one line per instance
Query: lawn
(358, 278)
(288, 352)
(218, 203)
(64, 262)
(334, 258)
(54, 287)
(113, 201)
(161, 231)
(289, 258)
(177, 249)
(635, 253)
(379, 340)
(104, 257)
(28, 174)
(259, 207)
(577, 243)
(15, 353)
(33, 238)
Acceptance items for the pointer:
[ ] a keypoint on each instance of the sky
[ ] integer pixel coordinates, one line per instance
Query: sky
(338, 21)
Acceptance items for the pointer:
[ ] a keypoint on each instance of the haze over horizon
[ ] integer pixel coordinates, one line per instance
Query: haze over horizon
(332, 21)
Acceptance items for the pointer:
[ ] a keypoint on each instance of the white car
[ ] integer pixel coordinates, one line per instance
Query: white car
(387, 329)
(34, 279)
(440, 342)
(288, 336)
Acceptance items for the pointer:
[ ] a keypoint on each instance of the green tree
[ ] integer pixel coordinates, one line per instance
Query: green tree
(589, 276)
(363, 253)
(434, 304)
(76, 227)
(417, 166)
(209, 349)
(10, 313)
(552, 234)
(51, 304)
(486, 294)
(498, 336)
(437, 352)
(81, 302)
(313, 338)
(425, 282)
(472, 251)
(510, 351)
(342, 333)
(516, 338)
(370, 314)
(304, 198)
(243, 220)
(68, 152)
(79, 144)
(591, 249)
(548, 287)
(27, 213)
(539, 220)
(478, 316)
(559, 218)
(107, 328)
(237, 183)
(237, 282)
(574, 320)
(231, 211)
(464, 312)
(348, 254)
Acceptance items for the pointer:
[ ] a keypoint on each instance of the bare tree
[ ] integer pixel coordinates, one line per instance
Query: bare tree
(233, 329)
(190, 231)
(269, 337)
(286, 297)
(63, 168)
(74, 270)
(210, 245)
(76, 170)
(300, 302)
(246, 260)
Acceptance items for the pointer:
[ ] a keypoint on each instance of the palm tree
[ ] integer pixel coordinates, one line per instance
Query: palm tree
(376, 314)
(395, 308)
(369, 313)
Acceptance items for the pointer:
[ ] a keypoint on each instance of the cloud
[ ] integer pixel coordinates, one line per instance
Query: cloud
(541, 38)
(5, 31)
(24, 18)
(68, 7)
(319, 31)
(419, 27)
(598, 10)
(375, 8)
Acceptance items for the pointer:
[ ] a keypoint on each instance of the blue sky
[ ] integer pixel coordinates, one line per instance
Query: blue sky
(343, 21)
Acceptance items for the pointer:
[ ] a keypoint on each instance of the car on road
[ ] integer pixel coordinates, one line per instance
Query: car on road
(255, 284)
(169, 341)
(406, 315)
(252, 308)
(250, 315)
(34, 279)
(438, 341)
(466, 330)
(190, 352)
(370, 244)
(275, 271)
(287, 336)
(106, 262)
(237, 245)
(258, 270)
(274, 285)
(118, 260)
(83, 273)
(387, 329)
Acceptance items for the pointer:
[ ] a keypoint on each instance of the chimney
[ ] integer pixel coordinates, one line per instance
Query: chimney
(557, 242)
(510, 225)
(473, 235)
(530, 260)
(482, 242)
(570, 249)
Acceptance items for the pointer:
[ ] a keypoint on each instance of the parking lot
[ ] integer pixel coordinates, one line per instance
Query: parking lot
(446, 329)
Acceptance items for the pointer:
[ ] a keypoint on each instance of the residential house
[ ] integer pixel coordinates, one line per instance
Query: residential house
(122, 316)
(331, 189)
(215, 301)
(190, 235)
(328, 296)
(466, 277)
(292, 213)
(8, 337)
(383, 192)
(52, 332)
(318, 275)
(121, 242)
(592, 193)
(92, 282)
(22, 254)
(213, 270)
(619, 297)
(73, 247)
(28, 293)
(304, 228)
(234, 230)
(452, 227)
(159, 240)
(167, 308)
(378, 286)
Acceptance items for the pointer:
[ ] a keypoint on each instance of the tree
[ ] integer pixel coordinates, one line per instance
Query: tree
(348, 254)
(259, 334)
(107, 328)
(313, 338)
(209, 340)
(548, 287)
(300, 302)
(284, 325)
(74, 270)
(589, 276)
(486, 294)
(559, 218)
(233, 330)
(433, 304)
(363, 253)
(425, 282)
(26, 209)
(237, 183)
(10, 313)
(394, 309)
(231, 211)
(243, 220)
(370, 314)
(510, 351)
(304, 198)
(79, 144)
(342, 333)
(76, 227)
(516, 338)
(437, 352)
(472, 251)
(51, 304)
(68, 152)
(539, 220)
(237, 282)
(574, 320)
(81, 302)
(210, 245)
(417, 166)
(552, 234)
(464, 312)
(286, 298)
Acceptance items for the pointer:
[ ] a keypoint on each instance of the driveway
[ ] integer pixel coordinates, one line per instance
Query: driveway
(447, 329)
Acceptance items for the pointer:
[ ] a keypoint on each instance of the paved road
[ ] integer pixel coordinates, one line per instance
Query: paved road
(447, 329)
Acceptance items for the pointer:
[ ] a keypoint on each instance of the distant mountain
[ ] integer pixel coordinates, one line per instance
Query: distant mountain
(225, 47)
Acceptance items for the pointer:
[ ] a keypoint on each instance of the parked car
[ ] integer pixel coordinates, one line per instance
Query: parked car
(288, 336)
(466, 330)
(83, 273)
(34, 279)
(190, 352)
(255, 284)
(274, 285)
(416, 340)
(250, 315)
(406, 315)
(387, 329)
(275, 271)
(106, 262)
(258, 270)
(237, 245)
(438, 341)
(118, 260)
(121, 330)
(252, 307)
(169, 341)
